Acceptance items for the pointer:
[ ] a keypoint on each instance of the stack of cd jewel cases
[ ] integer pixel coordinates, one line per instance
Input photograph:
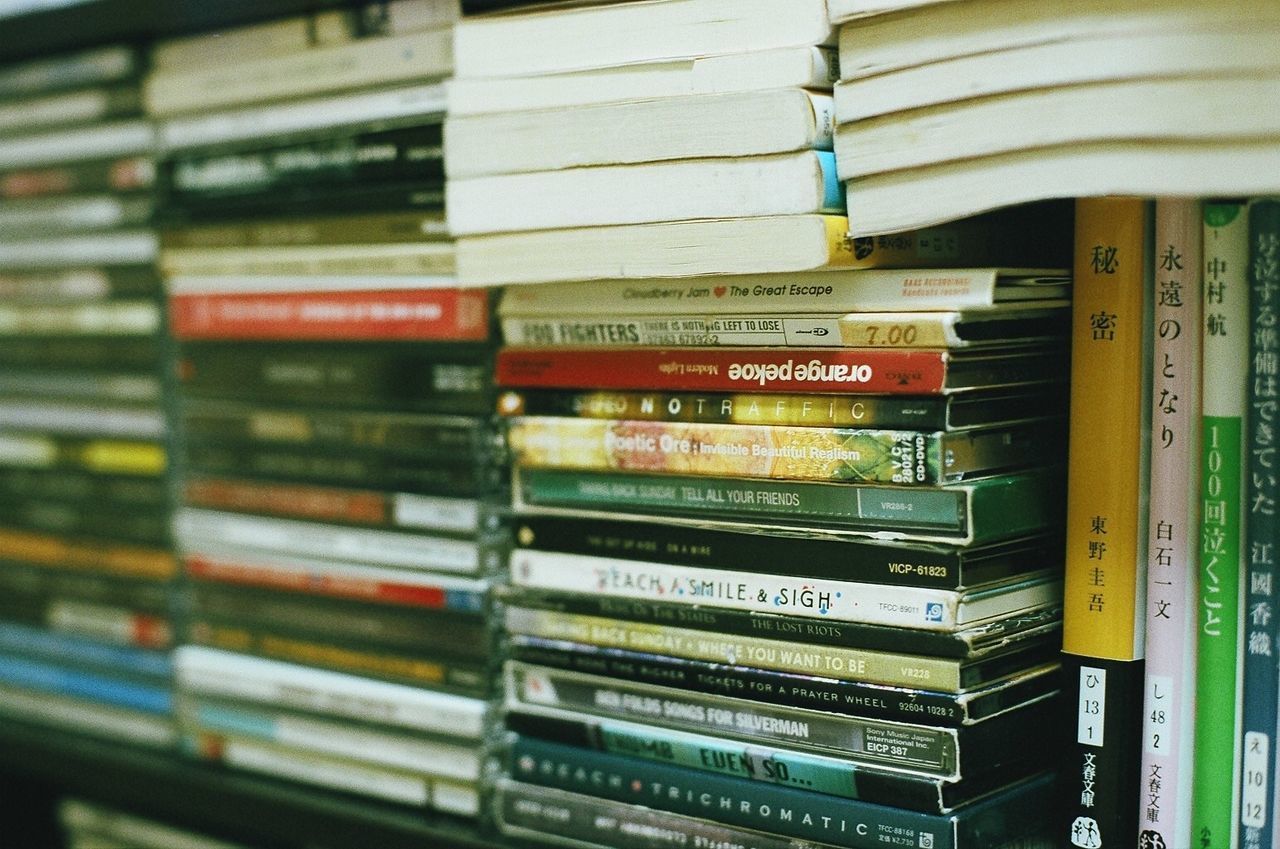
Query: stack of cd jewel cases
(85, 561)
(761, 593)
(338, 455)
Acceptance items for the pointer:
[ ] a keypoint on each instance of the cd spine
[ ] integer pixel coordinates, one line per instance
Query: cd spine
(581, 821)
(725, 370)
(410, 436)
(441, 315)
(435, 378)
(122, 175)
(403, 587)
(854, 455)
(937, 674)
(391, 155)
(56, 552)
(814, 773)
(194, 527)
(855, 698)
(56, 679)
(862, 561)
(843, 822)
(815, 330)
(884, 411)
(62, 648)
(330, 474)
(389, 510)
(341, 740)
(932, 751)
(222, 674)
(991, 508)
(971, 644)
(318, 619)
(463, 677)
(814, 598)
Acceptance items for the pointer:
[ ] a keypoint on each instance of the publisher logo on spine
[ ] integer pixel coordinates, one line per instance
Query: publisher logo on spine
(1151, 840)
(814, 371)
(1085, 834)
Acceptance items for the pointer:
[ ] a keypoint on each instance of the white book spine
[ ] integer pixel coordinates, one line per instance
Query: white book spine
(814, 68)
(791, 244)
(674, 190)
(617, 34)
(824, 120)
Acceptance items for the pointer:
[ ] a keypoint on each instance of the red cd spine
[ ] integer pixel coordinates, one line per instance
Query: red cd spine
(727, 369)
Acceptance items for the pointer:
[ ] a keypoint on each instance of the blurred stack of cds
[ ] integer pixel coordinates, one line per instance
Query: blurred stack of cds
(85, 562)
(338, 459)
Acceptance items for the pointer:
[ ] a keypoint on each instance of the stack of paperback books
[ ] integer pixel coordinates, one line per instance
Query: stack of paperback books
(338, 456)
(1128, 98)
(788, 547)
(84, 617)
(643, 139)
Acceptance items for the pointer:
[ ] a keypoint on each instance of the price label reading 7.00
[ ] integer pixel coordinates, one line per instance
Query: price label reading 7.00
(889, 334)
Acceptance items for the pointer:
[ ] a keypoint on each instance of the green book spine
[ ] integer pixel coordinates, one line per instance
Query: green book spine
(1226, 348)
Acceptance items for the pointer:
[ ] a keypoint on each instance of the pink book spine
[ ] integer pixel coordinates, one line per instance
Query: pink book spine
(1165, 794)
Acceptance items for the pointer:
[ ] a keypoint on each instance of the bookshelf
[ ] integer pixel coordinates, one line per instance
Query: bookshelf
(38, 765)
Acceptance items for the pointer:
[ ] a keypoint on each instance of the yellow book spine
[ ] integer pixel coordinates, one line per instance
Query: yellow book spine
(1105, 572)
(841, 251)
